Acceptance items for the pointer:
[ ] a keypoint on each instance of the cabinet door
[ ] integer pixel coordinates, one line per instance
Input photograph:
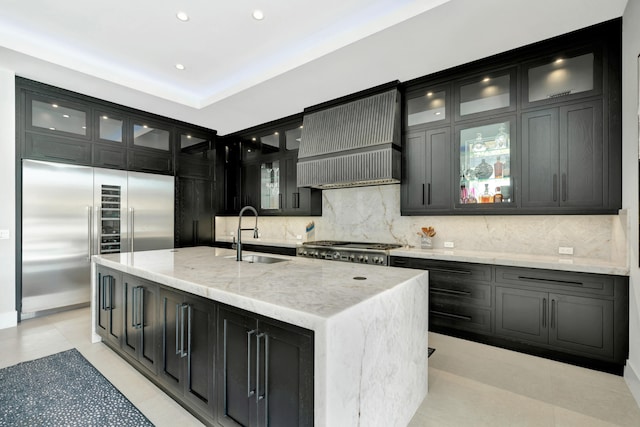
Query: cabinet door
(581, 155)
(199, 360)
(186, 212)
(438, 173)
(141, 321)
(172, 345)
(111, 307)
(250, 186)
(522, 314)
(204, 212)
(540, 163)
(414, 182)
(285, 383)
(582, 325)
(236, 384)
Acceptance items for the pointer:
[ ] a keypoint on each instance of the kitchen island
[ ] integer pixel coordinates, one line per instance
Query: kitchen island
(369, 324)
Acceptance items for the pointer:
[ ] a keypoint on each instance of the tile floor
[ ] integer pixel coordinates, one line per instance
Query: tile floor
(470, 384)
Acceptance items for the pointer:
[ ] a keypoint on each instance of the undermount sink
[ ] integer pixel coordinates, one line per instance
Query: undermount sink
(259, 259)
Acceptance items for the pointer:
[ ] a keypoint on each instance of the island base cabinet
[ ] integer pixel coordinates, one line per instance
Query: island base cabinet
(188, 337)
(267, 374)
(577, 324)
(140, 335)
(110, 308)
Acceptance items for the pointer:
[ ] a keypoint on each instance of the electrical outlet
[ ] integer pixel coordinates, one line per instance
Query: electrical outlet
(565, 250)
(448, 244)
(4, 234)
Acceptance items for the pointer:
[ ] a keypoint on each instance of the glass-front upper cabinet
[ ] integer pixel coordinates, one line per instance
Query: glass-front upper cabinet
(562, 77)
(58, 116)
(150, 136)
(491, 92)
(110, 127)
(427, 107)
(292, 138)
(486, 153)
(270, 185)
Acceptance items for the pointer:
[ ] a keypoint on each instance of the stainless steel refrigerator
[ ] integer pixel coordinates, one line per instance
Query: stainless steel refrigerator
(72, 212)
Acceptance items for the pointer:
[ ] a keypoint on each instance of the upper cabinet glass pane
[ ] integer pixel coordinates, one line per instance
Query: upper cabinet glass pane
(55, 117)
(485, 164)
(564, 76)
(293, 137)
(427, 108)
(270, 143)
(490, 93)
(146, 136)
(188, 142)
(270, 185)
(110, 128)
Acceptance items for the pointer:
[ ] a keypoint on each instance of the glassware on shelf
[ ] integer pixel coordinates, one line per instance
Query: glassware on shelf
(497, 197)
(502, 139)
(486, 197)
(479, 144)
(498, 168)
(484, 170)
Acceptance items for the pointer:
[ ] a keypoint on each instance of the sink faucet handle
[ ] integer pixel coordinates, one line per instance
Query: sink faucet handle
(255, 233)
(233, 244)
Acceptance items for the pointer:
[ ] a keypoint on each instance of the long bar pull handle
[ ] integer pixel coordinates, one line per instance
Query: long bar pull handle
(258, 395)
(103, 291)
(544, 312)
(423, 194)
(555, 187)
(195, 234)
(89, 234)
(134, 306)
(279, 200)
(184, 307)
(429, 193)
(110, 292)
(141, 307)
(265, 395)
(541, 279)
(131, 229)
(553, 313)
(450, 292)
(249, 391)
(564, 187)
(178, 327)
(451, 315)
(189, 324)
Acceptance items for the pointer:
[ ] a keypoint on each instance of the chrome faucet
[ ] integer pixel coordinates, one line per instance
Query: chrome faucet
(255, 230)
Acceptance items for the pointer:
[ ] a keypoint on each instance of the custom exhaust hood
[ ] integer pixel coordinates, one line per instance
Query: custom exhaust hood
(352, 144)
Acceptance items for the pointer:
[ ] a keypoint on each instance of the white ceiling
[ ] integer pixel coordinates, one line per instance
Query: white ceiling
(241, 72)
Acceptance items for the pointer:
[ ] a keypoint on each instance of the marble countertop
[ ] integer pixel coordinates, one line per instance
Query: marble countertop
(300, 291)
(563, 263)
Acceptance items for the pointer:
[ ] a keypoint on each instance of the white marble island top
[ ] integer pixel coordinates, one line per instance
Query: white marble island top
(370, 336)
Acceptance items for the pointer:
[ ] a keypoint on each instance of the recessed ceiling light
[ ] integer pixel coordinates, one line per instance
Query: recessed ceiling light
(182, 16)
(559, 61)
(188, 136)
(253, 139)
(145, 126)
(430, 94)
(258, 15)
(105, 117)
(486, 79)
(180, 66)
(54, 105)
(276, 133)
(52, 128)
(437, 113)
(66, 116)
(301, 127)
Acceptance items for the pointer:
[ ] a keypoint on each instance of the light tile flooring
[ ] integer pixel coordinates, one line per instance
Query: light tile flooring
(470, 384)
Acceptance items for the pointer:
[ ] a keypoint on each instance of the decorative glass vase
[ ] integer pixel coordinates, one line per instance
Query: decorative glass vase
(426, 242)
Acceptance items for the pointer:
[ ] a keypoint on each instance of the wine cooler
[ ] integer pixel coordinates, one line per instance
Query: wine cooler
(110, 219)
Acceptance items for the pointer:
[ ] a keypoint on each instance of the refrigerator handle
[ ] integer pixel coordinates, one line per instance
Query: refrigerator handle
(89, 237)
(131, 232)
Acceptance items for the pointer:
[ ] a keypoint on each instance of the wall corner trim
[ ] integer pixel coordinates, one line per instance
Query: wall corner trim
(632, 378)
(9, 319)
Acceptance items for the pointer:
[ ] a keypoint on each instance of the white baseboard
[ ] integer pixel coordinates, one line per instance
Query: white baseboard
(632, 379)
(8, 319)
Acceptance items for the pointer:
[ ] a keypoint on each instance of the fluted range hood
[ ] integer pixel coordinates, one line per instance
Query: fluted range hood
(353, 144)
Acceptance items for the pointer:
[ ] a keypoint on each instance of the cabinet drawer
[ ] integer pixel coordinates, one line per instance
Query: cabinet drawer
(57, 149)
(106, 156)
(447, 271)
(460, 317)
(581, 283)
(460, 293)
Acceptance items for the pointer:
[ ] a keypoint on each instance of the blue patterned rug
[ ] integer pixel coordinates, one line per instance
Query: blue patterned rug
(63, 389)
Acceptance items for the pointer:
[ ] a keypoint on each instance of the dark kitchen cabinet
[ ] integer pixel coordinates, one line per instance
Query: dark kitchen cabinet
(141, 325)
(267, 372)
(427, 184)
(195, 212)
(573, 323)
(187, 348)
(110, 305)
(56, 149)
(580, 318)
(564, 161)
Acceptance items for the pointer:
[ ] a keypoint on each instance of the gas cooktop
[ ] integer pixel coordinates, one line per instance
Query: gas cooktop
(360, 252)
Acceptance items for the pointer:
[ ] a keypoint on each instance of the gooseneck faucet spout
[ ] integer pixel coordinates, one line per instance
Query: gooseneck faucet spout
(255, 230)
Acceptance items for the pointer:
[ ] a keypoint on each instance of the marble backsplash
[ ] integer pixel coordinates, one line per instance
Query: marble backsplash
(373, 214)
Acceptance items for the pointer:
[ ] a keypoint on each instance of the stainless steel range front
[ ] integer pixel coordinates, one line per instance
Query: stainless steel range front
(363, 253)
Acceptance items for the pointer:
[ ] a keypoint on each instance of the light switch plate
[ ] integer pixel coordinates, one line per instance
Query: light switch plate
(4, 234)
(565, 250)
(448, 244)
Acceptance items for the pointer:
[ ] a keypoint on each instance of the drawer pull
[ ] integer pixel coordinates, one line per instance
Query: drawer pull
(562, 282)
(450, 315)
(447, 270)
(451, 292)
